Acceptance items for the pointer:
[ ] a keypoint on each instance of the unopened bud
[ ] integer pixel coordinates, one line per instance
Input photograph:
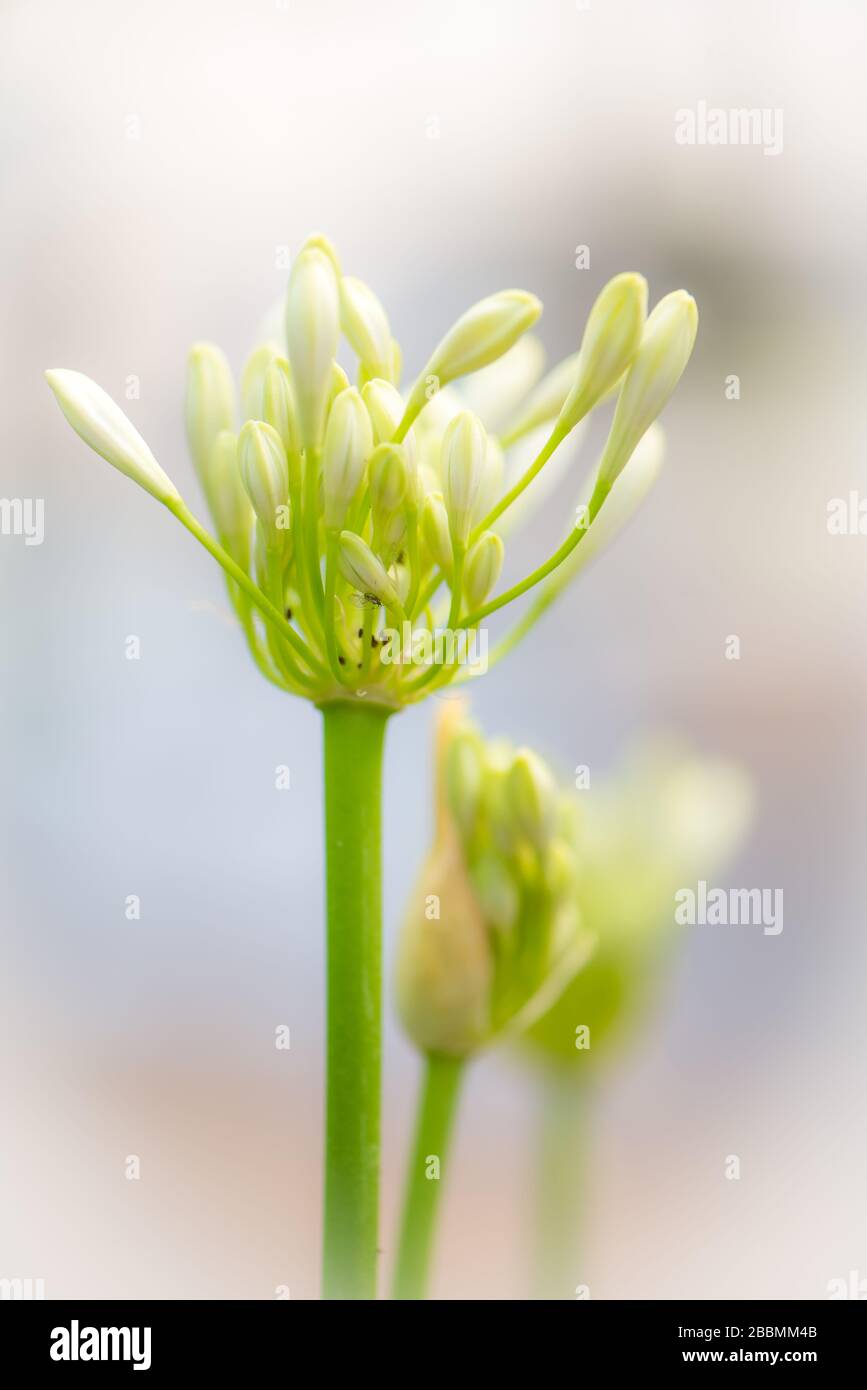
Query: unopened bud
(210, 404)
(265, 475)
(365, 572)
(532, 794)
(103, 426)
(611, 339)
(464, 451)
(666, 347)
(348, 441)
(365, 325)
(483, 568)
(312, 332)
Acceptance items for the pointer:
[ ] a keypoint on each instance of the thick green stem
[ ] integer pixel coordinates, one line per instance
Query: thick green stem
(424, 1178)
(354, 737)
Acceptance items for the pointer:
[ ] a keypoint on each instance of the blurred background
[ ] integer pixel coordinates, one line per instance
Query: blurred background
(161, 162)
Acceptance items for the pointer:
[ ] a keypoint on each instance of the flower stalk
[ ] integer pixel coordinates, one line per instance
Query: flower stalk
(354, 735)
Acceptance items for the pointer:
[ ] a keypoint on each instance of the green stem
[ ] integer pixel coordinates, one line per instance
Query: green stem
(434, 1122)
(354, 737)
(253, 592)
(560, 1181)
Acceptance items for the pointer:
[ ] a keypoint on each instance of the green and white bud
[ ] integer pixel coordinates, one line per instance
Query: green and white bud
(312, 333)
(278, 405)
(479, 337)
(265, 475)
(103, 426)
(318, 242)
(666, 347)
(464, 454)
(387, 479)
(532, 794)
(227, 498)
(253, 380)
(211, 404)
(611, 339)
(435, 532)
(365, 326)
(339, 382)
(364, 571)
(484, 565)
(348, 441)
(385, 406)
(491, 485)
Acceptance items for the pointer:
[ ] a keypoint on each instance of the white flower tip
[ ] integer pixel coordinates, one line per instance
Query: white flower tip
(103, 426)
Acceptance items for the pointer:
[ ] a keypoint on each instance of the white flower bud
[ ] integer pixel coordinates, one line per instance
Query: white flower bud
(312, 333)
(365, 325)
(483, 568)
(265, 475)
(385, 405)
(387, 479)
(480, 336)
(103, 426)
(348, 441)
(278, 405)
(435, 531)
(666, 347)
(483, 334)
(464, 452)
(210, 405)
(253, 380)
(611, 339)
(361, 568)
(491, 485)
(229, 503)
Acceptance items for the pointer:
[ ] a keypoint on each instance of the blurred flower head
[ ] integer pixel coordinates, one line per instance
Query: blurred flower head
(492, 933)
(668, 816)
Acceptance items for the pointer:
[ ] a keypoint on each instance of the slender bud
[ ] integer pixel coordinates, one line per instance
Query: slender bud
(435, 530)
(253, 380)
(361, 568)
(210, 405)
(348, 441)
(611, 339)
(464, 450)
(318, 242)
(385, 406)
(483, 568)
(339, 382)
(387, 479)
(229, 503)
(103, 426)
(365, 326)
(532, 794)
(312, 332)
(480, 336)
(666, 346)
(278, 405)
(491, 485)
(265, 475)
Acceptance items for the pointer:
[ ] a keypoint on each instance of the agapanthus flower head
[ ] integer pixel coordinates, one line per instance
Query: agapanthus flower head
(666, 818)
(492, 933)
(348, 514)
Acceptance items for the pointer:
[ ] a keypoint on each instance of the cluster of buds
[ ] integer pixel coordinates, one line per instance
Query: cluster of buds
(668, 816)
(493, 933)
(345, 513)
